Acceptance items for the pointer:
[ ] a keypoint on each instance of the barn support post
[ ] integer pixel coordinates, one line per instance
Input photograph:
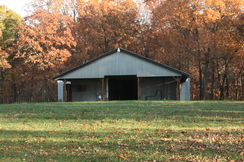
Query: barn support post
(138, 88)
(177, 91)
(178, 87)
(106, 87)
(102, 90)
(60, 91)
(65, 91)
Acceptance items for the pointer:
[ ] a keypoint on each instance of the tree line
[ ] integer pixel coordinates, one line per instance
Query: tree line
(201, 37)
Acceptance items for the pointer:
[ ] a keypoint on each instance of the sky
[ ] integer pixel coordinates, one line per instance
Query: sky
(16, 5)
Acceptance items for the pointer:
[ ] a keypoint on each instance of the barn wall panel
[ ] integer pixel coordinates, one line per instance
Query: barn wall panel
(86, 90)
(158, 88)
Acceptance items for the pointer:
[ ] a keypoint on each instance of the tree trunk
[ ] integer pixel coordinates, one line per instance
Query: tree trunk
(200, 78)
(204, 82)
(221, 97)
(13, 89)
(227, 77)
(205, 76)
(1, 85)
(242, 87)
(225, 82)
(212, 82)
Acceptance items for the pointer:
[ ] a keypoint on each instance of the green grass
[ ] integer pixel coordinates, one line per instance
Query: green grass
(123, 131)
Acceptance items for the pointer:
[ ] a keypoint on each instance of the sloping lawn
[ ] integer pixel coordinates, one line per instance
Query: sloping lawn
(123, 131)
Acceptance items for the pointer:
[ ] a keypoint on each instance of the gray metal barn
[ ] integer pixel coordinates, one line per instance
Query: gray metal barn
(123, 75)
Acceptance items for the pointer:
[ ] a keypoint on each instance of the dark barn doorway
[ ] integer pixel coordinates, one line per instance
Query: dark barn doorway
(122, 87)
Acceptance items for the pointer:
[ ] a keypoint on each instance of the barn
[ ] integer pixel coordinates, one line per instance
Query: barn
(123, 75)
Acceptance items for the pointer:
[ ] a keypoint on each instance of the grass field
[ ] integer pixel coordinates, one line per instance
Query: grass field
(123, 131)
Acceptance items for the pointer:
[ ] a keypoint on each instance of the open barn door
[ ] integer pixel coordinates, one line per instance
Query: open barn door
(122, 88)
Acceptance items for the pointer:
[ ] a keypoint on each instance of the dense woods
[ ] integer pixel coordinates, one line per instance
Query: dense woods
(204, 38)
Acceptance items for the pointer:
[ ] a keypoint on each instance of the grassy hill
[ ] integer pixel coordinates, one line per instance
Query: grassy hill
(123, 131)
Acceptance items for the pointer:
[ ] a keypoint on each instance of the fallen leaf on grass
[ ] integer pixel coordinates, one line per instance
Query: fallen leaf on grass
(16, 147)
(183, 132)
(136, 129)
(70, 146)
(43, 152)
(207, 129)
(5, 149)
(121, 156)
(241, 152)
(180, 157)
(40, 139)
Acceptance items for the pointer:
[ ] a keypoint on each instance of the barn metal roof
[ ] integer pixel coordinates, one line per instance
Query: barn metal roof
(183, 74)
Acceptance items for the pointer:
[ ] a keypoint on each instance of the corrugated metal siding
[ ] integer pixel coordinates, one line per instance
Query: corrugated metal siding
(158, 88)
(119, 64)
(185, 90)
(91, 91)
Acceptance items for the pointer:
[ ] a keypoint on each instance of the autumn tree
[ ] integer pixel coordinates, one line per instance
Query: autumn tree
(4, 66)
(237, 82)
(8, 21)
(105, 25)
(65, 7)
(201, 35)
(45, 42)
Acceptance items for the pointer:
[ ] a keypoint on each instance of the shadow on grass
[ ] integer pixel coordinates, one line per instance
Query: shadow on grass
(117, 145)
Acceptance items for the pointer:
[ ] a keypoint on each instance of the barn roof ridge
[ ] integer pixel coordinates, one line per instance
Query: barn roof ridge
(117, 50)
